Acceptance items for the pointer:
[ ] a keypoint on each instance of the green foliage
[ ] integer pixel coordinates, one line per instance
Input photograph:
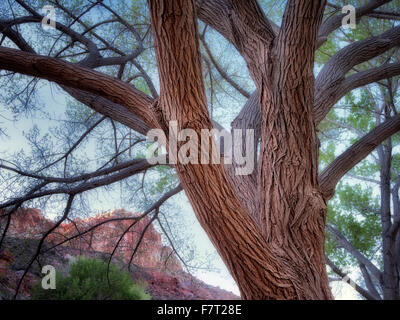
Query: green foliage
(355, 212)
(87, 280)
(327, 154)
(327, 50)
(360, 111)
(167, 180)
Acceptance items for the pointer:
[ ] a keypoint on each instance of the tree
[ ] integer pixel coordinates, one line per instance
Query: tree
(268, 227)
(358, 233)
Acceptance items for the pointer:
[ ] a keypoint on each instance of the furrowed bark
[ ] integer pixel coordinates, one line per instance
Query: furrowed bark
(219, 14)
(246, 186)
(259, 272)
(268, 226)
(334, 71)
(110, 109)
(292, 209)
(77, 77)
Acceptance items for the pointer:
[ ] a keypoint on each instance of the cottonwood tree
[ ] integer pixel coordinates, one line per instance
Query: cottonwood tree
(366, 200)
(357, 222)
(268, 227)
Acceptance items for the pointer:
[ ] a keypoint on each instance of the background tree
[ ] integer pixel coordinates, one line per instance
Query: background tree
(358, 230)
(268, 227)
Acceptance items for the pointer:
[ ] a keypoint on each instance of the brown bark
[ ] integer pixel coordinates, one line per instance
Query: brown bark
(292, 208)
(267, 263)
(77, 77)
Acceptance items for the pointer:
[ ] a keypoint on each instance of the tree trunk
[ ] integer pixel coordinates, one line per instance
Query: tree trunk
(284, 258)
(390, 278)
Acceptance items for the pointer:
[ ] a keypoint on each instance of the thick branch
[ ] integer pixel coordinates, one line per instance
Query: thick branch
(336, 68)
(94, 54)
(340, 273)
(357, 254)
(217, 207)
(248, 118)
(241, 22)
(77, 77)
(357, 80)
(353, 155)
(110, 109)
(15, 37)
(368, 282)
(95, 102)
(300, 25)
(331, 24)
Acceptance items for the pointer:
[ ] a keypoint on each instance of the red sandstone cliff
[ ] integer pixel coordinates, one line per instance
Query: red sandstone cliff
(153, 263)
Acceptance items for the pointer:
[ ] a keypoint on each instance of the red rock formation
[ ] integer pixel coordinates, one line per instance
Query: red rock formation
(28, 223)
(154, 262)
(6, 258)
(151, 253)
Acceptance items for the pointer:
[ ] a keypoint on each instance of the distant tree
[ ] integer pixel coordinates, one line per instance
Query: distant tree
(360, 216)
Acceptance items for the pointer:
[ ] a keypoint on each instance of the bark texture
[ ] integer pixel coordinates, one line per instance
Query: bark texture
(284, 257)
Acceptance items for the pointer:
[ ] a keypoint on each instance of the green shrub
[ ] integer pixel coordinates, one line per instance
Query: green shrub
(87, 280)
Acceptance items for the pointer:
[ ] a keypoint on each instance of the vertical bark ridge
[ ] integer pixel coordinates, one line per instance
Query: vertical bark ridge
(258, 267)
(291, 206)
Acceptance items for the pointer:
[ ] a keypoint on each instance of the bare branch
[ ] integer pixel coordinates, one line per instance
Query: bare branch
(335, 70)
(79, 78)
(133, 169)
(83, 177)
(76, 144)
(332, 23)
(39, 248)
(340, 273)
(222, 72)
(143, 233)
(353, 155)
(352, 250)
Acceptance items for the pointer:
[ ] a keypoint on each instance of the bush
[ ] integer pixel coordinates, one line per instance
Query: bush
(87, 280)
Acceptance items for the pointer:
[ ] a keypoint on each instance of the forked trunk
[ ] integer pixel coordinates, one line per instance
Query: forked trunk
(289, 267)
(278, 252)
